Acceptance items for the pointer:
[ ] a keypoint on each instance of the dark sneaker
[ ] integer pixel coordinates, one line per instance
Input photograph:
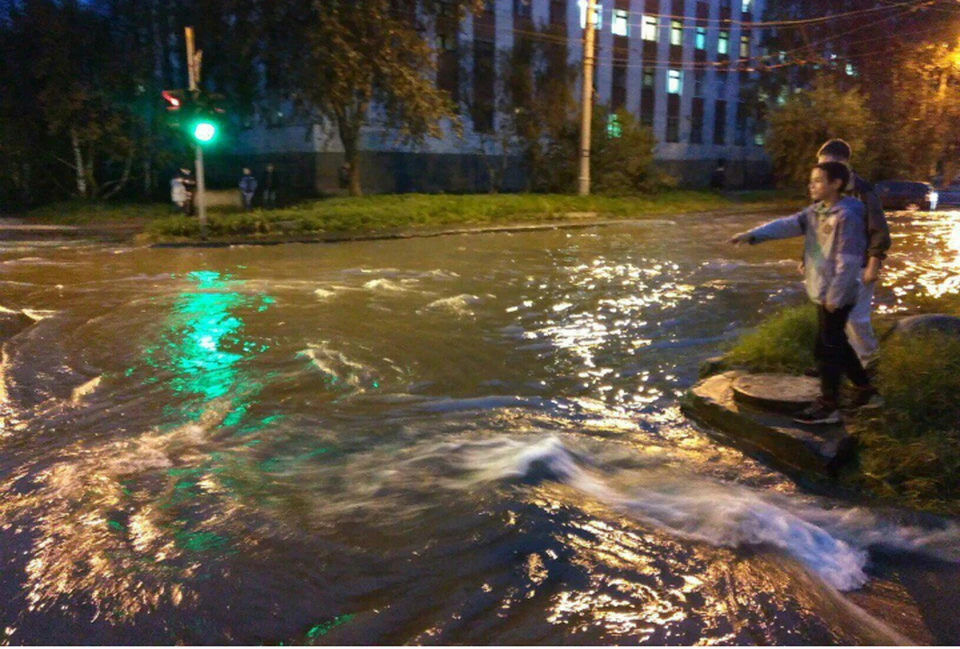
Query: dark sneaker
(866, 398)
(820, 412)
(812, 372)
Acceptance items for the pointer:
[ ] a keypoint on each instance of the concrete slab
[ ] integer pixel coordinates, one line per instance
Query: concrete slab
(781, 393)
(814, 451)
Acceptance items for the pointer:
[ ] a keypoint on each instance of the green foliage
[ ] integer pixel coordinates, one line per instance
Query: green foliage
(782, 343)
(811, 117)
(911, 446)
(621, 153)
(384, 212)
(372, 52)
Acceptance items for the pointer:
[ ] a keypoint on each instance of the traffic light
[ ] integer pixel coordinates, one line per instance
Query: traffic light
(176, 99)
(204, 131)
(196, 112)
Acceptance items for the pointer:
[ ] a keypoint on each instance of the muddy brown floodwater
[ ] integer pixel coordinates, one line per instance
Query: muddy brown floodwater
(468, 439)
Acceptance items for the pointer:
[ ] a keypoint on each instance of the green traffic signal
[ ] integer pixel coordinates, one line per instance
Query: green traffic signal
(204, 131)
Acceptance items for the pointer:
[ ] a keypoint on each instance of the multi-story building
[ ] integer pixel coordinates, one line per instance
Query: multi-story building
(680, 66)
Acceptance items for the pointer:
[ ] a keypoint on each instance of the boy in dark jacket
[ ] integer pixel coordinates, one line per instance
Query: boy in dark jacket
(835, 243)
(859, 328)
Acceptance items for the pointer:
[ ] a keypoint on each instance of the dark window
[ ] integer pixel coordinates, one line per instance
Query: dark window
(699, 77)
(483, 87)
(696, 121)
(673, 118)
(720, 123)
(558, 12)
(618, 91)
(523, 9)
(740, 133)
(648, 96)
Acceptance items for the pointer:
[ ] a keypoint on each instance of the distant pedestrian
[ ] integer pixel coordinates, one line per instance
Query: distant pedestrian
(718, 179)
(181, 191)
(835, 242)
(270, 183)
(248, 187)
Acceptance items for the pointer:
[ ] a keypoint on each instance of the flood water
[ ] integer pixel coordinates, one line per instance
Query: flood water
(469, 439)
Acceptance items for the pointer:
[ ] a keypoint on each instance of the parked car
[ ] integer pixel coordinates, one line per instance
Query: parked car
(949, 195)
(907, 195)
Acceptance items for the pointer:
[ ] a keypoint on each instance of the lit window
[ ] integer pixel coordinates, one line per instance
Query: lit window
(744, 46)
(649, 28)
(701, 41)
(851, 72)
(758, 138)
(613, 127)
(597, 15)
(746, 5)
(621, 24)
(674, 82)
(676, 32)
(723, 41)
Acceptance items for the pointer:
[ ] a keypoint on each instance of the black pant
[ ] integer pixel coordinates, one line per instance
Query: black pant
(834, 355)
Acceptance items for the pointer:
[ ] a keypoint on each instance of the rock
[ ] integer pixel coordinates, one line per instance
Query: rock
(713, 365)
(775, 438)
(781, 393)
(921, 324)
(12, 323)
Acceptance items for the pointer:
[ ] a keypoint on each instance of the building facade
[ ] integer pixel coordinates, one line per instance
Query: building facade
(683, 67)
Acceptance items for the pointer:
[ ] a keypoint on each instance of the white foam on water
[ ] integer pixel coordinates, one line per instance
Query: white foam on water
(458, 304)
(832, 543)
(389, 285)
(335, 364)
(163, 449)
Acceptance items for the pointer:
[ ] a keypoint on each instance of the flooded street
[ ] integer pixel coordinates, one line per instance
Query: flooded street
(468, 439)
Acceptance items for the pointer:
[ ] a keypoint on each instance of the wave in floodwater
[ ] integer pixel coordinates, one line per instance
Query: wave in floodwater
(833, 543)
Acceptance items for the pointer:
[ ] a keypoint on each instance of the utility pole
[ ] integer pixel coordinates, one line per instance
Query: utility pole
(193, 68)
(586, 99)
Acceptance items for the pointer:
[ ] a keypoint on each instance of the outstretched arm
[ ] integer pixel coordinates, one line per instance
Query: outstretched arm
(785, 228)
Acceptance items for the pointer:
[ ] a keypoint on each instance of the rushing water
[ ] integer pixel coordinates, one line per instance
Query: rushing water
(472, 439)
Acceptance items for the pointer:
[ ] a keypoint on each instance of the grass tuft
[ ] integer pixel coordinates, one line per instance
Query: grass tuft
(782, 343)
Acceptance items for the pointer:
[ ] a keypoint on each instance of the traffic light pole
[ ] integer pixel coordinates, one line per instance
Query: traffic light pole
(193, 70)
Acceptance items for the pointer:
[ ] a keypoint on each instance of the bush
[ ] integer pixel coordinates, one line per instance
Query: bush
(782, 343)
(911, 446)
(621, 156)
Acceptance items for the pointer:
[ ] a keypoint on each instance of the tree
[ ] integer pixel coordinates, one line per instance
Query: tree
(371, 58)
(810, 117)
(920, 114)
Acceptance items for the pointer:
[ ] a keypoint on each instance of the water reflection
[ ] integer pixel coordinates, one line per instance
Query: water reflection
(128, 525)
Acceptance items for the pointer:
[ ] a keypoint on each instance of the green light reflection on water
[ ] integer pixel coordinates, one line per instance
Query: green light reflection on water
(325, 627)
(202, 347)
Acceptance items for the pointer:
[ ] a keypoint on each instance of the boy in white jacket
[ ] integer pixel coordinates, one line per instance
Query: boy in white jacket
(834, 246)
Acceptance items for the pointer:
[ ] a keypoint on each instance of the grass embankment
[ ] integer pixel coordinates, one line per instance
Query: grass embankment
(411, 211)
(909, 450)
(399, 212)
(94, 213)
